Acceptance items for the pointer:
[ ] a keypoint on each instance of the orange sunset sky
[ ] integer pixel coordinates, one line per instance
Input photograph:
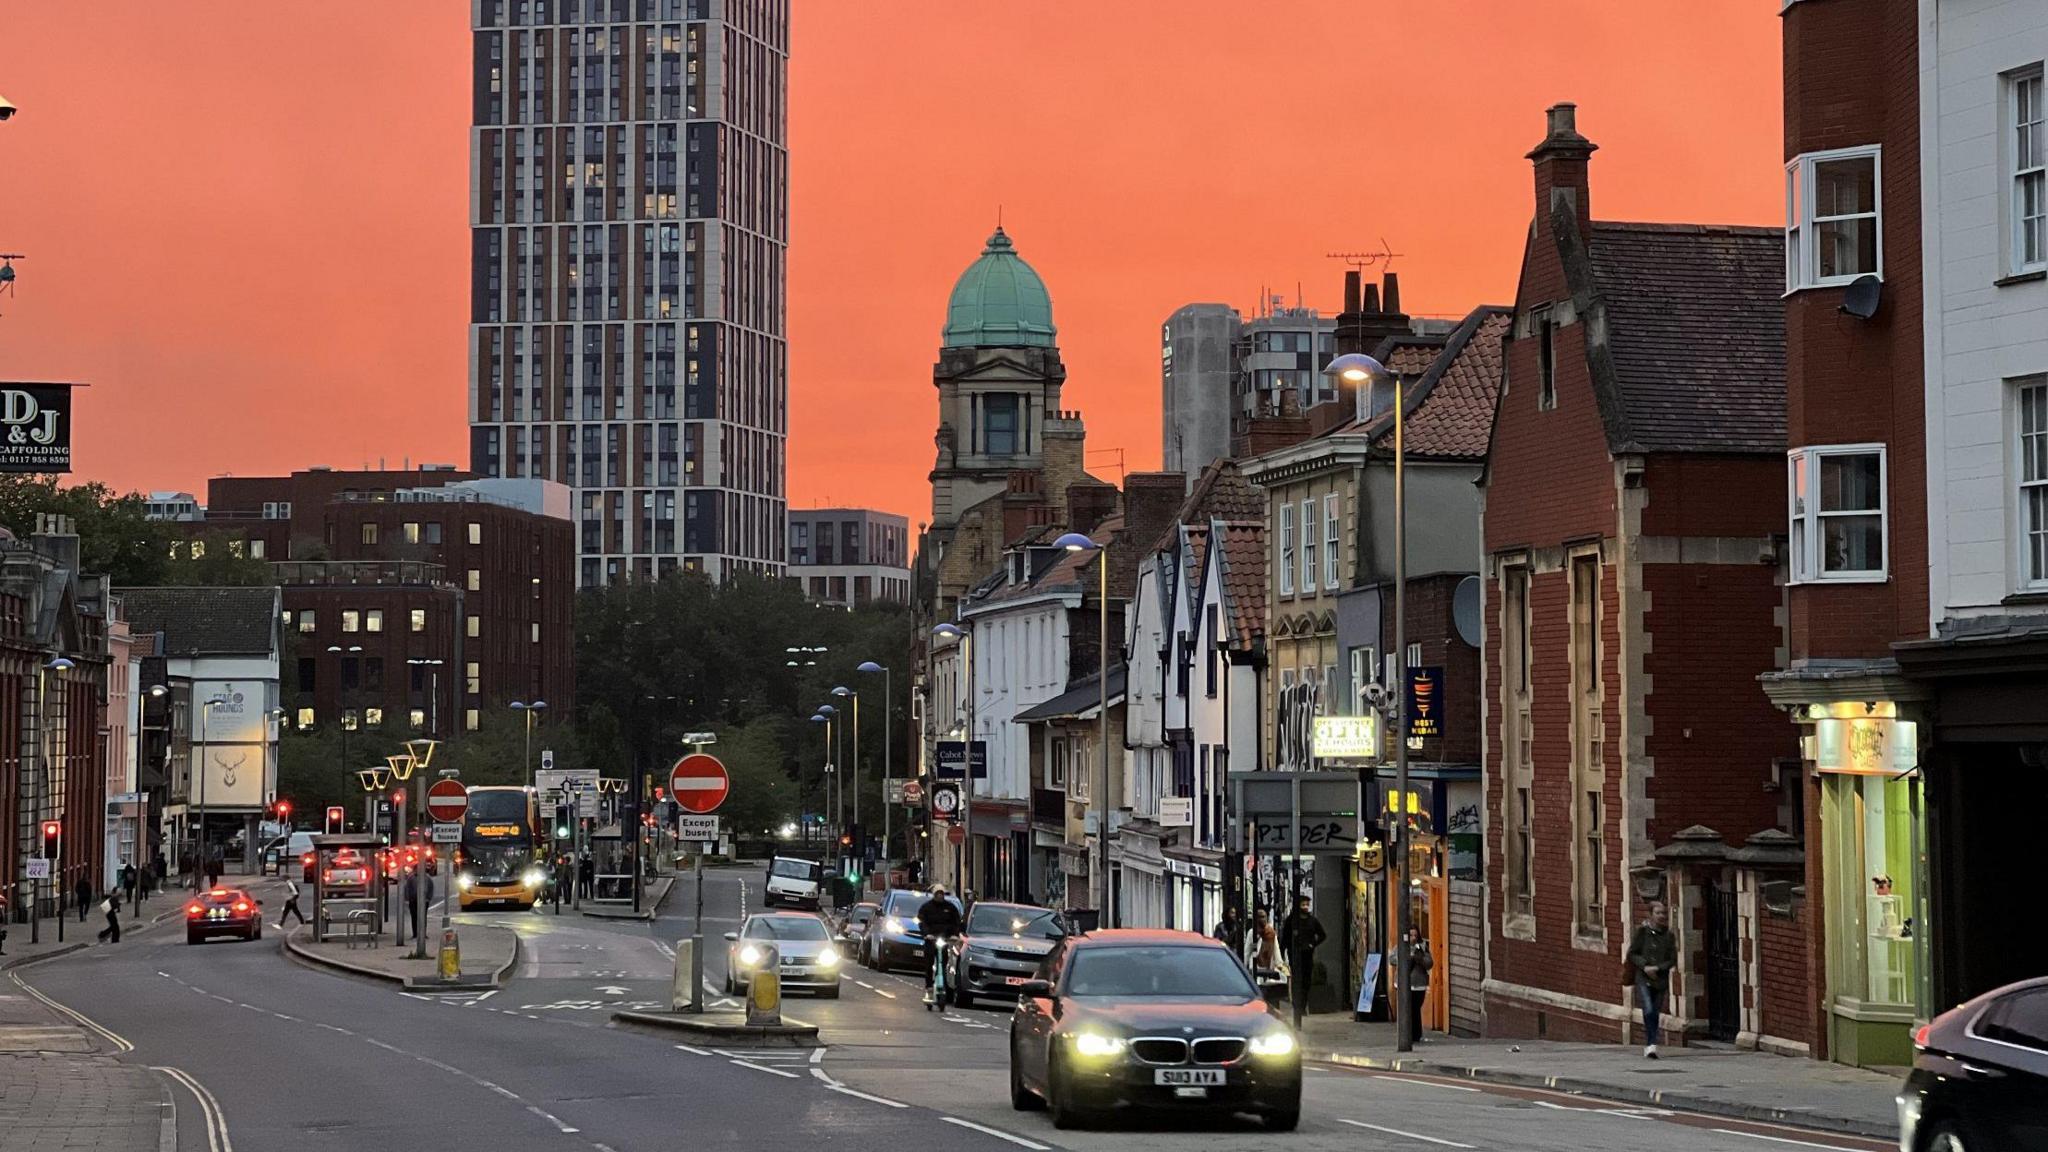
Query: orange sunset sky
(246, 223)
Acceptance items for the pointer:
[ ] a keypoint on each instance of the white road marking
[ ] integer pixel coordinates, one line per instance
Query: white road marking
(1000, 1134)
(693, 1051)
(1783, 1140)
(550, 1118)
(817, 1055)
(1424, 1083)
(843, 1090)
(209, 1108)
(1406, 1135)
(765, 1068)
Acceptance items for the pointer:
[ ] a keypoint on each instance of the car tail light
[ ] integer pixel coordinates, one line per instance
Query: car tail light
(241, 905)
(1920, 1036)
(195, 910)
(306, 859)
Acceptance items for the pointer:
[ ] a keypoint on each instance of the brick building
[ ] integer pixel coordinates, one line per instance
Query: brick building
(411, 567)
(1857, 540)
(1633, 498)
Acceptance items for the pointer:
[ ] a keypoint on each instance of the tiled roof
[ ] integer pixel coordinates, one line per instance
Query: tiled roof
(1222, 493)
(1067, 570)
(1696, 332)
(210, 621)
(1409, 355)
(1243, 556)
(1450, 408)
(1083, 697)
(1197, 536)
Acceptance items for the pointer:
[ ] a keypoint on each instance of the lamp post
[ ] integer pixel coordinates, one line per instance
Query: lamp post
(433, 667)
(156, 692)
(419, 755)
(373, 781)
(1076, 542)
(853, 694)
(965, 637)
(35, 898)
(888, 747)
(823, 782)
(529, 711)
(1358, 368)
(830, 815)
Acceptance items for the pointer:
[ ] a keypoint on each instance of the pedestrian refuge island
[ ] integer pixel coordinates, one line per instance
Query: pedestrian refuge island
(345, 886)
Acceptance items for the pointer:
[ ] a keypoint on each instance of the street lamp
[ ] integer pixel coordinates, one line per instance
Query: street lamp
(852, 694)
(1076, 542)
(888, 748)
(206, 708)
(529, 711)
(833, 788)
(965, 638)
(817, 718)
(1357, 368)
(433, 667)
(141, 861)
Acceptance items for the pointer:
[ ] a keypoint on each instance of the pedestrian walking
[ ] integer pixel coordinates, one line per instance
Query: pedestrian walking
(216, 863)
(128, 881)
(112, 907)
(1300, 935)
(291, 904)
(1230, 929)
(1652, 950)
(1266, 946)
(586, 876)
(148, 878)
(1415, 982)
(82, 892)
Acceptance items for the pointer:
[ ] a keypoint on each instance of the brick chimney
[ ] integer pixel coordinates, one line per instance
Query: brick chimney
(1561, 169)
(1089, 504)
(1369, 316)
(1152, 503)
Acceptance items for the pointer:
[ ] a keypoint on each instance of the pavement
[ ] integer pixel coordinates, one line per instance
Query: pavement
(1713, 1080)
(265, 1053)
(650, 903)
(488, 953)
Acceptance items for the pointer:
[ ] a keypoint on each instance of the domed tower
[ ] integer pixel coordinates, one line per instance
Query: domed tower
(999, 377)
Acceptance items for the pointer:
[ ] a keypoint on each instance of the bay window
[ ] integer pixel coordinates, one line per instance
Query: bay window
(1836, 495)
(1832, 231)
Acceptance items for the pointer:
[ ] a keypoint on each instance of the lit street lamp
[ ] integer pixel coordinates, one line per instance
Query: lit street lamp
(888, 749)
(1105, 914)
(833, 789)
(846, 693)
(1357, 368)
(825, 784)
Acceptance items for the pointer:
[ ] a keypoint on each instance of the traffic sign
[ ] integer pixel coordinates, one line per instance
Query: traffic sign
(697, 828)
(547, 759)
(956, 835)
(945, 801)
(447, 800)
(699, 783)
(447, 833)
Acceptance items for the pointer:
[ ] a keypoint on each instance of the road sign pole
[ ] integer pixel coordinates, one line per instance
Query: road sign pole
(697, 944)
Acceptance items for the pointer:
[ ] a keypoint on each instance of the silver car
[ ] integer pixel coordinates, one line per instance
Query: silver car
(809, 957)
(1000, 947)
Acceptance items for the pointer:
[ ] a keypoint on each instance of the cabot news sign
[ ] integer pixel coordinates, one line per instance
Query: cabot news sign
(35, 427)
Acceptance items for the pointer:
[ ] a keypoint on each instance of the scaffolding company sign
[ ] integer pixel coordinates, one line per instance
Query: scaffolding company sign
(35, 427)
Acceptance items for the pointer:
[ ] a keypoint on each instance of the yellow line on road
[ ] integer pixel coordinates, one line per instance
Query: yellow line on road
(119, 1042)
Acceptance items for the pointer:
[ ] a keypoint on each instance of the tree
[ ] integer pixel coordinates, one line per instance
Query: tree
(216, 560)
(116, 537)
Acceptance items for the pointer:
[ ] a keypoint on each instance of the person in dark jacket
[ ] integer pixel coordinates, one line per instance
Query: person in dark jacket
(1415, 982)
(1653, 950)
(1230, 929)
(1300, 935)
(83, 893)
(112, 907)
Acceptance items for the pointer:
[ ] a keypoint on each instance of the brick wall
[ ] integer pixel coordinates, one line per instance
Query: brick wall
(1549, 476)
(1786, 1000)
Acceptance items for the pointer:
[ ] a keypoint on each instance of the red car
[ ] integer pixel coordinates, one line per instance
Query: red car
(223, 912)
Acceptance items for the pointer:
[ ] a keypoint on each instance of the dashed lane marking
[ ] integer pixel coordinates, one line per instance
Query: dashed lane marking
(551, 1118)
(1426, 1083)
(1002, 1135)
(1783, 1140)
(693, 1051)
(1403, 1134)
(765, 1068)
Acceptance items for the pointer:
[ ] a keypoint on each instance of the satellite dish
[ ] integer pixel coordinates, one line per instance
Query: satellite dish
(1860, 298)
(1465, 610)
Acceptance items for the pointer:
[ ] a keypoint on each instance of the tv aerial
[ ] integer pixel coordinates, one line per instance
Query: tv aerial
(7, 271)
(1360, 261)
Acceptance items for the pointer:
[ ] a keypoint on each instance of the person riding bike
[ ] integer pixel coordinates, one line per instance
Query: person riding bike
(936, 919)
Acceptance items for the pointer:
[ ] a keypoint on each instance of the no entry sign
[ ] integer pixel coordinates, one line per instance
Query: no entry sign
(699, 783)
(447, 800)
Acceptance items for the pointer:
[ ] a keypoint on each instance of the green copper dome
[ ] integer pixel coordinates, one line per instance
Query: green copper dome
(999, 302)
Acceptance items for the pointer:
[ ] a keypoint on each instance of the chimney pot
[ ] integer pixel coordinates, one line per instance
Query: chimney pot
(1564, 119)
(1351, 291)
(1393, 292)
(1372, 299)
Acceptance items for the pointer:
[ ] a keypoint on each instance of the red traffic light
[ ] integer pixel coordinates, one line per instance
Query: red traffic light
(52, 828)
(659, 793)
(284, 807)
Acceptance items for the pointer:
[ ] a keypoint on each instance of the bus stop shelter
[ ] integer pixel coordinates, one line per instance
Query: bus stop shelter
(346, 886)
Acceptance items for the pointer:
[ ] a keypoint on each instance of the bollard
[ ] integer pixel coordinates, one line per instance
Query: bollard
(682, 994)
(451, 955)
(764, 991)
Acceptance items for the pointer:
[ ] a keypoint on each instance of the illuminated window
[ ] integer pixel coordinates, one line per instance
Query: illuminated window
(198, 549)
(476, 533)
(476, 580)
(417, 718)
(351, 620)
(470, 720)
(373, 620)
(349, 720)
(419, 619)
(306, 621)
(536, 631)
(412, 532)
(373, 717)
(475, 627)
(305, 719)
(369, 533)
(255, 549)
(473, 678)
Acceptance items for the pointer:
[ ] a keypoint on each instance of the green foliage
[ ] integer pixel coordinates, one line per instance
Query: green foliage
(215, 560)
(657, 660)
(115, 537)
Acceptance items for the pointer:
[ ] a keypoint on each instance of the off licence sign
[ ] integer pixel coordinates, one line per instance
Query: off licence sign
(699, 783)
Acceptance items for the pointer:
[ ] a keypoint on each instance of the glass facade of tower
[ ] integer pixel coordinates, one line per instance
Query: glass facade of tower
(629, 222)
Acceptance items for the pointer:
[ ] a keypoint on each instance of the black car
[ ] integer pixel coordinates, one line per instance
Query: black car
(893, 939)
(223, 912)
(1148, 1019)
(1000, 947)
(1980, 1075)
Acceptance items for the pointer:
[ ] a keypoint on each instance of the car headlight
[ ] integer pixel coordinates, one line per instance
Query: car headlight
(828, 957)
(750, 955)
(464, 881)
(535, 877)
(1273, 1044)
(894, 925)
(1098, 1044)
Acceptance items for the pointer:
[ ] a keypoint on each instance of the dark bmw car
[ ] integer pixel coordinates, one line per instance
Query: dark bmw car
(1001, 947)
(1148, 1019)
(1980, 1075)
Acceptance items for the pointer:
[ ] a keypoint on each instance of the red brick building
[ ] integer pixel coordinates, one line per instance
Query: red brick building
(1634, 497)
(1856, 519)
(411, 567)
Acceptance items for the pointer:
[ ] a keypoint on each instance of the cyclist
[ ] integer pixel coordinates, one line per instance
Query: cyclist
(937, 919)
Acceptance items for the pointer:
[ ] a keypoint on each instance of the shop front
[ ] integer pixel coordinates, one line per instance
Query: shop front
(1194, 893)
(1137, 854)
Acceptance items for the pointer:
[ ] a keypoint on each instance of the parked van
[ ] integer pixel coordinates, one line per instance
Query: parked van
(794, 882)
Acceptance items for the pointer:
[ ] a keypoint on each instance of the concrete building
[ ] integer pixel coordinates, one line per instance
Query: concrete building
(1197, 369)
(125, 841)
(174, 506)
(629, 221)
(1983, 188)
(850, 556)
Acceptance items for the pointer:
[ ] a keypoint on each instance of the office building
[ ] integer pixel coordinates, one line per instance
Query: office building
(850, 556)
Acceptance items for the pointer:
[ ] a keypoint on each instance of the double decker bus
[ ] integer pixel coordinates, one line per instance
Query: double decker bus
(502, 856)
